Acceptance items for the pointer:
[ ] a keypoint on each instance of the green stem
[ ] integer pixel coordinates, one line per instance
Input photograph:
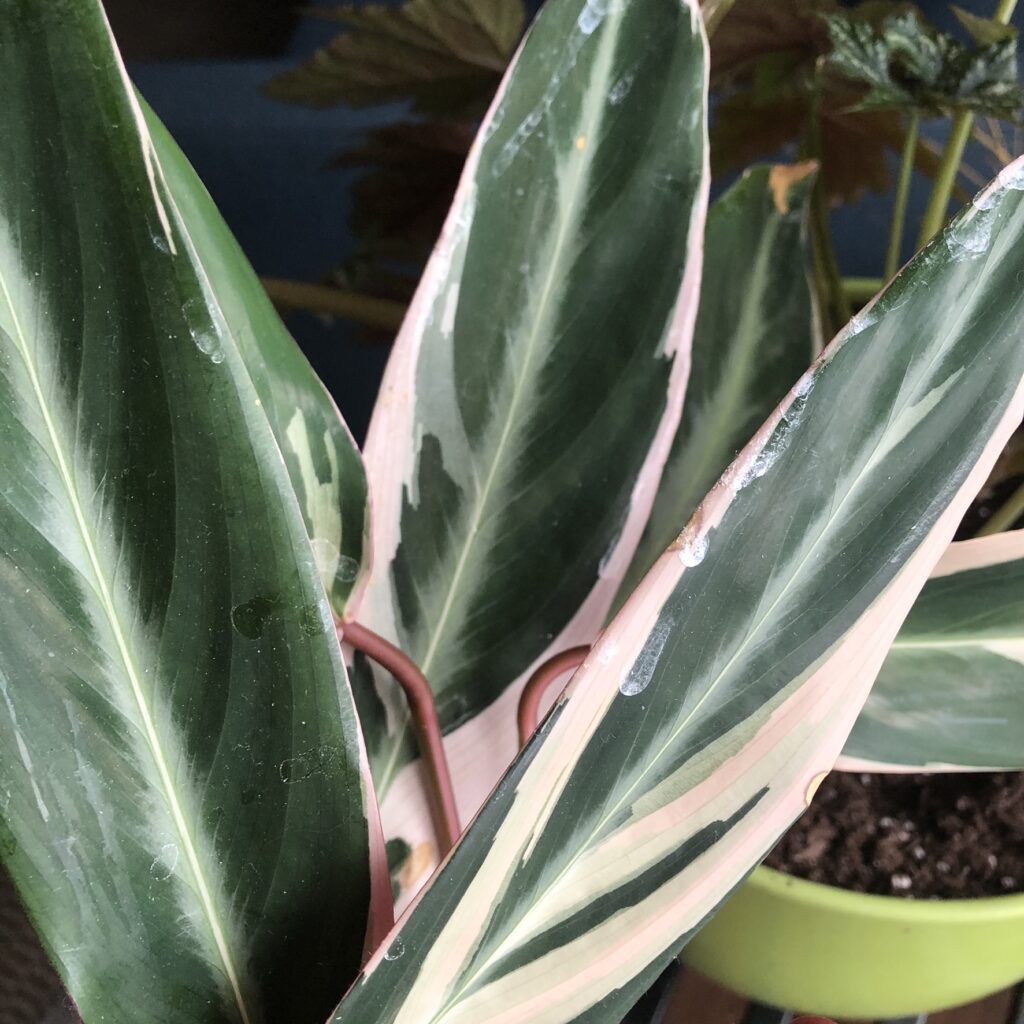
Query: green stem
(859, 290)
(826, 267)
(959, 133)
(384, 314)
(832, 299)
(1006, 515)
(938, 202)
(820, 278)
(899, 209)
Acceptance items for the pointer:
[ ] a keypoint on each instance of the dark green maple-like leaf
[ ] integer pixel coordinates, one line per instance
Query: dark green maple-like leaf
(764, 67)
(907, 64)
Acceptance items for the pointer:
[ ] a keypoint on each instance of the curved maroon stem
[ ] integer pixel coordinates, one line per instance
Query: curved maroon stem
(537, 685)
(424, 715)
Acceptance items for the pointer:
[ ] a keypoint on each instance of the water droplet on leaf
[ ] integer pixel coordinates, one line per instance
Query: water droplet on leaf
(693, 550)
(250, 618)
(348, 569)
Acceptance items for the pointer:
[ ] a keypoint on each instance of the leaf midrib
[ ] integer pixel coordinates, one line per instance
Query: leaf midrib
(103, 591)
(728, 398)
(589, 122)
(978, 640)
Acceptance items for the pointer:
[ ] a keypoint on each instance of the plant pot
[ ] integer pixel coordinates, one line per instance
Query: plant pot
(819, 949)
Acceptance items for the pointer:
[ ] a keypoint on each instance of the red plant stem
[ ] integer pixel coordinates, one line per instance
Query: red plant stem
(424, 716)
(537, 685)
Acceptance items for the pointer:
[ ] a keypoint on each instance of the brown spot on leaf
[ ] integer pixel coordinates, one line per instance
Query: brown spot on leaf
(783, 176)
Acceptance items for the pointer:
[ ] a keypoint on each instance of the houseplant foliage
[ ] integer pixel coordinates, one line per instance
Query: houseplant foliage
(185, 814)
(183, 511)
(846, 84)
(964, 626)
(480, 394)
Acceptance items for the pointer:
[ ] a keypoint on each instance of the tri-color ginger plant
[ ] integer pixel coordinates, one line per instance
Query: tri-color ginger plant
(188, 782)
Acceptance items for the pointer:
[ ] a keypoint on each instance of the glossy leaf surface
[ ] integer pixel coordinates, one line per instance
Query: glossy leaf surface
(755, 335)
(951, 692)
(180, 783)
(322, 460)
(714, 702)
(531, 397)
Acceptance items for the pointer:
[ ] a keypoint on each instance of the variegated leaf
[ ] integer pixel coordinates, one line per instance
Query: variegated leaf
(533, 392)
(322, 459)
(719, 696)
(182, 801)
(756, 333)
(950, 695)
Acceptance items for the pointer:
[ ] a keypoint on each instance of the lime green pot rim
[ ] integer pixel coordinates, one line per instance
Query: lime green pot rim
(892, 908)
(852, 955)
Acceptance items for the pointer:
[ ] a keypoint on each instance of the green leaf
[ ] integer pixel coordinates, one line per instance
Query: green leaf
(447, 55)
(181, 794)
(909, 65)
(323, 462)
(763, 67)
(755, 334)
(951, 692)
(983, 30)
(862, 53)
(705, 715)
(537, 382)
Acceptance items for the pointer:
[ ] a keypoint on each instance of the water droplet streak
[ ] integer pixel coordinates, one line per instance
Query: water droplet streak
(209, 344)
(970, 236)
(250, 617)
(165, 862)
(620, 89)
(642, 672)
(592, 15)
(200, 325)
(693, 550)
(779, 441)
(306, 764)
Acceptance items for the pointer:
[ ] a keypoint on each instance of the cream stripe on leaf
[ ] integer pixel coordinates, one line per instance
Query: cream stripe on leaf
(182, 804)
(538, 379)
(715, 699)
(951, 692)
